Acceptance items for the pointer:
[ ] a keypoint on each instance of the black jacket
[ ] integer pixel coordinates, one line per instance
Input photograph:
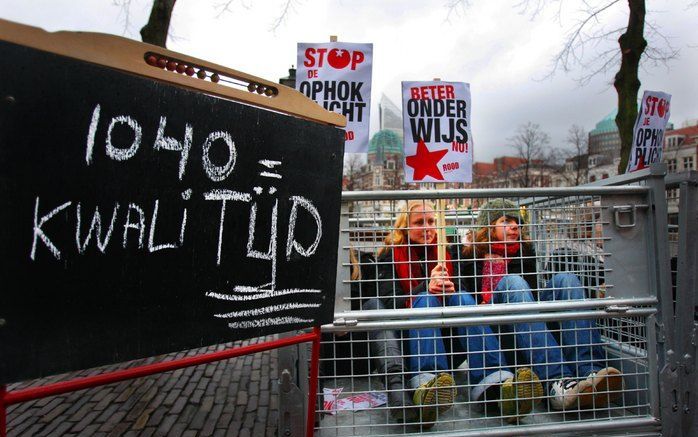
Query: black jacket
(469, 271)
(389, 289)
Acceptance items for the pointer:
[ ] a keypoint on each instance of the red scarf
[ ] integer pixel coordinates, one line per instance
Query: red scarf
(494, 270)
(408, 266)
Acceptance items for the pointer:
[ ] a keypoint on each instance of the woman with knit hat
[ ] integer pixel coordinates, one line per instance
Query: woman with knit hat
(499, 266)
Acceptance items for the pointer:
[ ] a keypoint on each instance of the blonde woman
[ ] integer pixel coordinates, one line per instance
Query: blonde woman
(407, 266)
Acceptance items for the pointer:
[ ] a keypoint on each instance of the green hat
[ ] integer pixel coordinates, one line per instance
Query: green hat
(496, 208)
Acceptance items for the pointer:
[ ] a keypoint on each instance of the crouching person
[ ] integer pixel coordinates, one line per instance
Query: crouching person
(408, 273)
(499, 267)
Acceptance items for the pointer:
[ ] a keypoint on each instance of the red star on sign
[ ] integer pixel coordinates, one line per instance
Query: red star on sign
(425, 162)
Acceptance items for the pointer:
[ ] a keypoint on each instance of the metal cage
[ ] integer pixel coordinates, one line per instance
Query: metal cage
(600, 235)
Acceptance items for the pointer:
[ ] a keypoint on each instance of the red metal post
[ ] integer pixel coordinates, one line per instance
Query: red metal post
(3, 411)
(312, 390)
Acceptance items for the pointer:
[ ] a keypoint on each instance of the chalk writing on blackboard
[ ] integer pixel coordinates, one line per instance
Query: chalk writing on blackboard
(268, 289)
(99, 227)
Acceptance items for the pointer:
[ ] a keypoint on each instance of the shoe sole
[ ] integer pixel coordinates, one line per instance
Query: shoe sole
(605, 388)
(584, 398)
(439, 391)
(520, 396)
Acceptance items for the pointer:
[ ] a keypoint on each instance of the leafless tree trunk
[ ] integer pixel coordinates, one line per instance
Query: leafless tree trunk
(590, 33)
(627, 84)
(352, 166)
(155, 31)
(578, 138)
(530, 144)
(158, 26)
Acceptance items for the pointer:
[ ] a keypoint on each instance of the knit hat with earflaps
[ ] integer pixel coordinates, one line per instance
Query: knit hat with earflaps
(496, 208)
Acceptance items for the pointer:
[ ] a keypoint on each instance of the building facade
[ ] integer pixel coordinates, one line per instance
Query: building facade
(383, 169)
(680, 147)
(680, 154)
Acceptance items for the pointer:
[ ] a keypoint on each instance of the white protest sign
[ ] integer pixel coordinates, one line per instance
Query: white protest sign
(648, 133)
(338, 77)
(436, 128)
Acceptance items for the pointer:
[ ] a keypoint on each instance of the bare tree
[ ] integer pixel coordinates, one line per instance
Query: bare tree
(589, 32)
(584, 47)
(627, 84)
(353, 162)
(578, 139)
(158, 26)
(530, 144)
(155, 31)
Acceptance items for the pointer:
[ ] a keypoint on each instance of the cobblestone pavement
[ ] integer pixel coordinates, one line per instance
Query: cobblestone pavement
(234, 397)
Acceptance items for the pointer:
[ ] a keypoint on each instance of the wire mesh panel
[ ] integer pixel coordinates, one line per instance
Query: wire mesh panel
(515, 328)
(356, 401)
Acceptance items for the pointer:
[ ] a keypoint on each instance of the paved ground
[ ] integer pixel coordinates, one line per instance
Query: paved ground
(235, 397)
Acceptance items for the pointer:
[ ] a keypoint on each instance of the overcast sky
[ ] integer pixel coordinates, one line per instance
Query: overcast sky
(503, 54)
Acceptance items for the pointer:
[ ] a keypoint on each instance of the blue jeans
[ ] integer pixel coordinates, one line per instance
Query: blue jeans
(427, 352)
(581, 340)
(533, 340)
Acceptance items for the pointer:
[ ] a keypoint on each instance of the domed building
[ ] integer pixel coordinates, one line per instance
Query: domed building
(604, 148)
(604, 139)
(385, 145)
(383, 171)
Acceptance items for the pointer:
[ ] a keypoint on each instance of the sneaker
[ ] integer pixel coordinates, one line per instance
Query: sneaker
(564, 392)
(605, 386)
(520, 394)
(435, 396)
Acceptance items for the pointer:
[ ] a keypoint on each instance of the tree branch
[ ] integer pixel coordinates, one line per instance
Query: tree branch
(125, 10)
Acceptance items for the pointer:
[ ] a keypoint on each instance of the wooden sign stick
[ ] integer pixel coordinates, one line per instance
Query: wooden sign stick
(441, 220)
(441, 225)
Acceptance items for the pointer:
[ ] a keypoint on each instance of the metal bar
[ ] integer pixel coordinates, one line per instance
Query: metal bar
(446, 312)
(660, 284)
(489, 192)
(14, 397)
(673, 180)
(660, 275)
(653, 366)
(486, 320)
(342, 290)
(686, 286)
(632, 351)
(657, 169)
(629, 178)
(3, 410)
(568, 427)
(312, 390)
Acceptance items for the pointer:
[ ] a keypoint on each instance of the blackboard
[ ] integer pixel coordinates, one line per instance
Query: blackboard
(142, 218)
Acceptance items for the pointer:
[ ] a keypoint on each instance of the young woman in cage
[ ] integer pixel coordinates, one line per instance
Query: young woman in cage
(407, 268)
(499, 266)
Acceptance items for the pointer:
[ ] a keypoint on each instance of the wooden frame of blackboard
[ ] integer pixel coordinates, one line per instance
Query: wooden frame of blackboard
(132, 57)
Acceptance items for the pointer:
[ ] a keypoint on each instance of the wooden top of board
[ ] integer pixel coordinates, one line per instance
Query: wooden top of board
(130, 56)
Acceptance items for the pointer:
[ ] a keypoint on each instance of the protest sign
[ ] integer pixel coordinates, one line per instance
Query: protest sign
(338, 77)
(648, 133)
(437, 136)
